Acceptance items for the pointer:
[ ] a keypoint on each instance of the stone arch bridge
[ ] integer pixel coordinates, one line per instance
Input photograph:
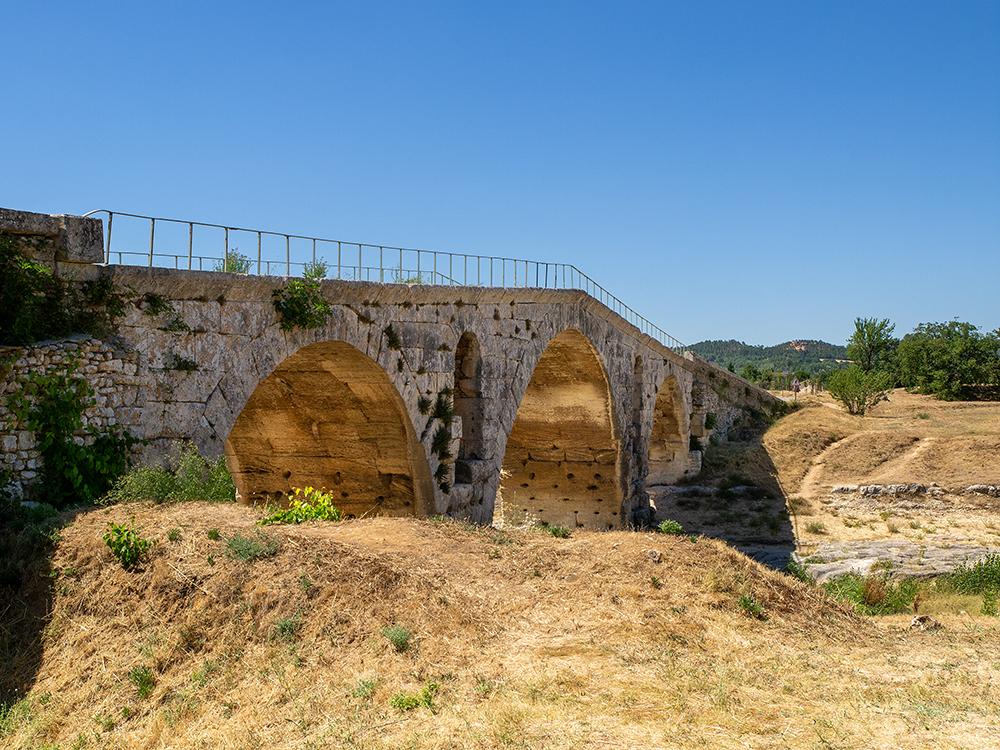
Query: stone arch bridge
(417, 399)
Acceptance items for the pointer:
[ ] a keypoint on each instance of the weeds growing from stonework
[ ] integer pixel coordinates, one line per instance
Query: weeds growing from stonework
(189, 477)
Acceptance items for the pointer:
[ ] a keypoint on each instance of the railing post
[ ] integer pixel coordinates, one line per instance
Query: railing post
(338, 259)
(190, 243)
(152, 230)
(107, 249)
(258, 255)
(225, 255)
(288, 255)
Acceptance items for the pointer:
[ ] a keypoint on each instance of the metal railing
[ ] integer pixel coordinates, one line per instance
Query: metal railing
(273, 253)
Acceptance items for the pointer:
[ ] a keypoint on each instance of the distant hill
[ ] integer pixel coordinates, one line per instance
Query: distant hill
(803, 354)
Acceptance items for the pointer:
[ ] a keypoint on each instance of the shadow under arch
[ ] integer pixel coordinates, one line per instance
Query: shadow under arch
(669, 449)
(561, 463)
(329, 417)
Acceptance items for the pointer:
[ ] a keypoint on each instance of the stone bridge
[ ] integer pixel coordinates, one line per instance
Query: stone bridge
(410, 400)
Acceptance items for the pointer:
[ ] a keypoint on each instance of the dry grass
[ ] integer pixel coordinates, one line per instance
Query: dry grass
(520, 640)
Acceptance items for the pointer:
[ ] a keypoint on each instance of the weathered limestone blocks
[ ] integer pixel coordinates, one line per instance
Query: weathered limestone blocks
(551, 386)
(114, 374)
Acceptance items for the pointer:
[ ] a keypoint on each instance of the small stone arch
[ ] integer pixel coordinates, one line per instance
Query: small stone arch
(467, 396)
(668, 443)
(328, 416)
(562, 460)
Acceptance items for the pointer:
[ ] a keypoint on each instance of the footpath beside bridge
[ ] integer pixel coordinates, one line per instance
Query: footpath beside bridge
(413, 399)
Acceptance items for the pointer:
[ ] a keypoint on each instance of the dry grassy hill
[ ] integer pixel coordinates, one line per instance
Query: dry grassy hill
(392, 633)
(517, 639)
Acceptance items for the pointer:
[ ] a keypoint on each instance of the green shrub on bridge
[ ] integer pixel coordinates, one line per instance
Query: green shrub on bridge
(300, 304)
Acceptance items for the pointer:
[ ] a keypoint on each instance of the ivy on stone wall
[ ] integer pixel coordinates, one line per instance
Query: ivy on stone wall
(36, 305)
(52, 407)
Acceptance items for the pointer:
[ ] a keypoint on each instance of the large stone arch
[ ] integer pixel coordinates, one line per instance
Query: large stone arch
(668, 441)
(328, 416)
(562, 459)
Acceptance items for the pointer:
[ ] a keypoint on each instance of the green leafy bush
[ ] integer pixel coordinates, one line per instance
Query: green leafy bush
(306, 505)
(316, 269)
(559, 532)
(125, 543)
(36, 305)
(978, 578)
(189, 477)
(670, 527)
(300, 304)
(408, 701)
(233, 262)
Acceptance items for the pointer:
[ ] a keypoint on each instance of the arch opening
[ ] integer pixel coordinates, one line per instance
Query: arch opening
(467, 396)
(329, 417)
(561, 464)
(668, 447)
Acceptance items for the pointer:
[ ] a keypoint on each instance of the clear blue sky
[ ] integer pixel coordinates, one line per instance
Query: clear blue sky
(752, 170)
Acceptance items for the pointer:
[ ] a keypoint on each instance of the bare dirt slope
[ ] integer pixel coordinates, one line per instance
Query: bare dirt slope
(519, 639)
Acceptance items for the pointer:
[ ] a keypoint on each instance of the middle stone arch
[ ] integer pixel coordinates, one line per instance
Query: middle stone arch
(561, 464)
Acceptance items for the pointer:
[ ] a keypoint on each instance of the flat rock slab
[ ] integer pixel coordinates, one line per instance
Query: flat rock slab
(908, 559)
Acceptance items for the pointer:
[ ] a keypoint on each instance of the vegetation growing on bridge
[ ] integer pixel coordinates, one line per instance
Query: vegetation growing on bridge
(300, 304)
(36, 305)
(51, 406)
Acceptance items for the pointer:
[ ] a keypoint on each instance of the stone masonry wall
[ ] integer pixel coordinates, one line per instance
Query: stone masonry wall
(194, 346)
(112, 373)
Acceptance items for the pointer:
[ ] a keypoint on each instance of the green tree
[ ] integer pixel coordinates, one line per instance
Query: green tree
(858, 390)
(872, 345)
(945, 359)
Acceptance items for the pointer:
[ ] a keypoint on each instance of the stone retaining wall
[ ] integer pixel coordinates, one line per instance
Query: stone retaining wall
(115, 375)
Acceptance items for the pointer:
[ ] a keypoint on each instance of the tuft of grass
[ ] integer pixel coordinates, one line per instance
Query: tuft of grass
(816, 527)
(672, 528)
(365, 689)
(873, 595)
(750, 606)
(559, 532)
(400, 636)
(213, 534)
(795, 569)
(248, 549)
(285, 628)
(173, 535)
(144, 681)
